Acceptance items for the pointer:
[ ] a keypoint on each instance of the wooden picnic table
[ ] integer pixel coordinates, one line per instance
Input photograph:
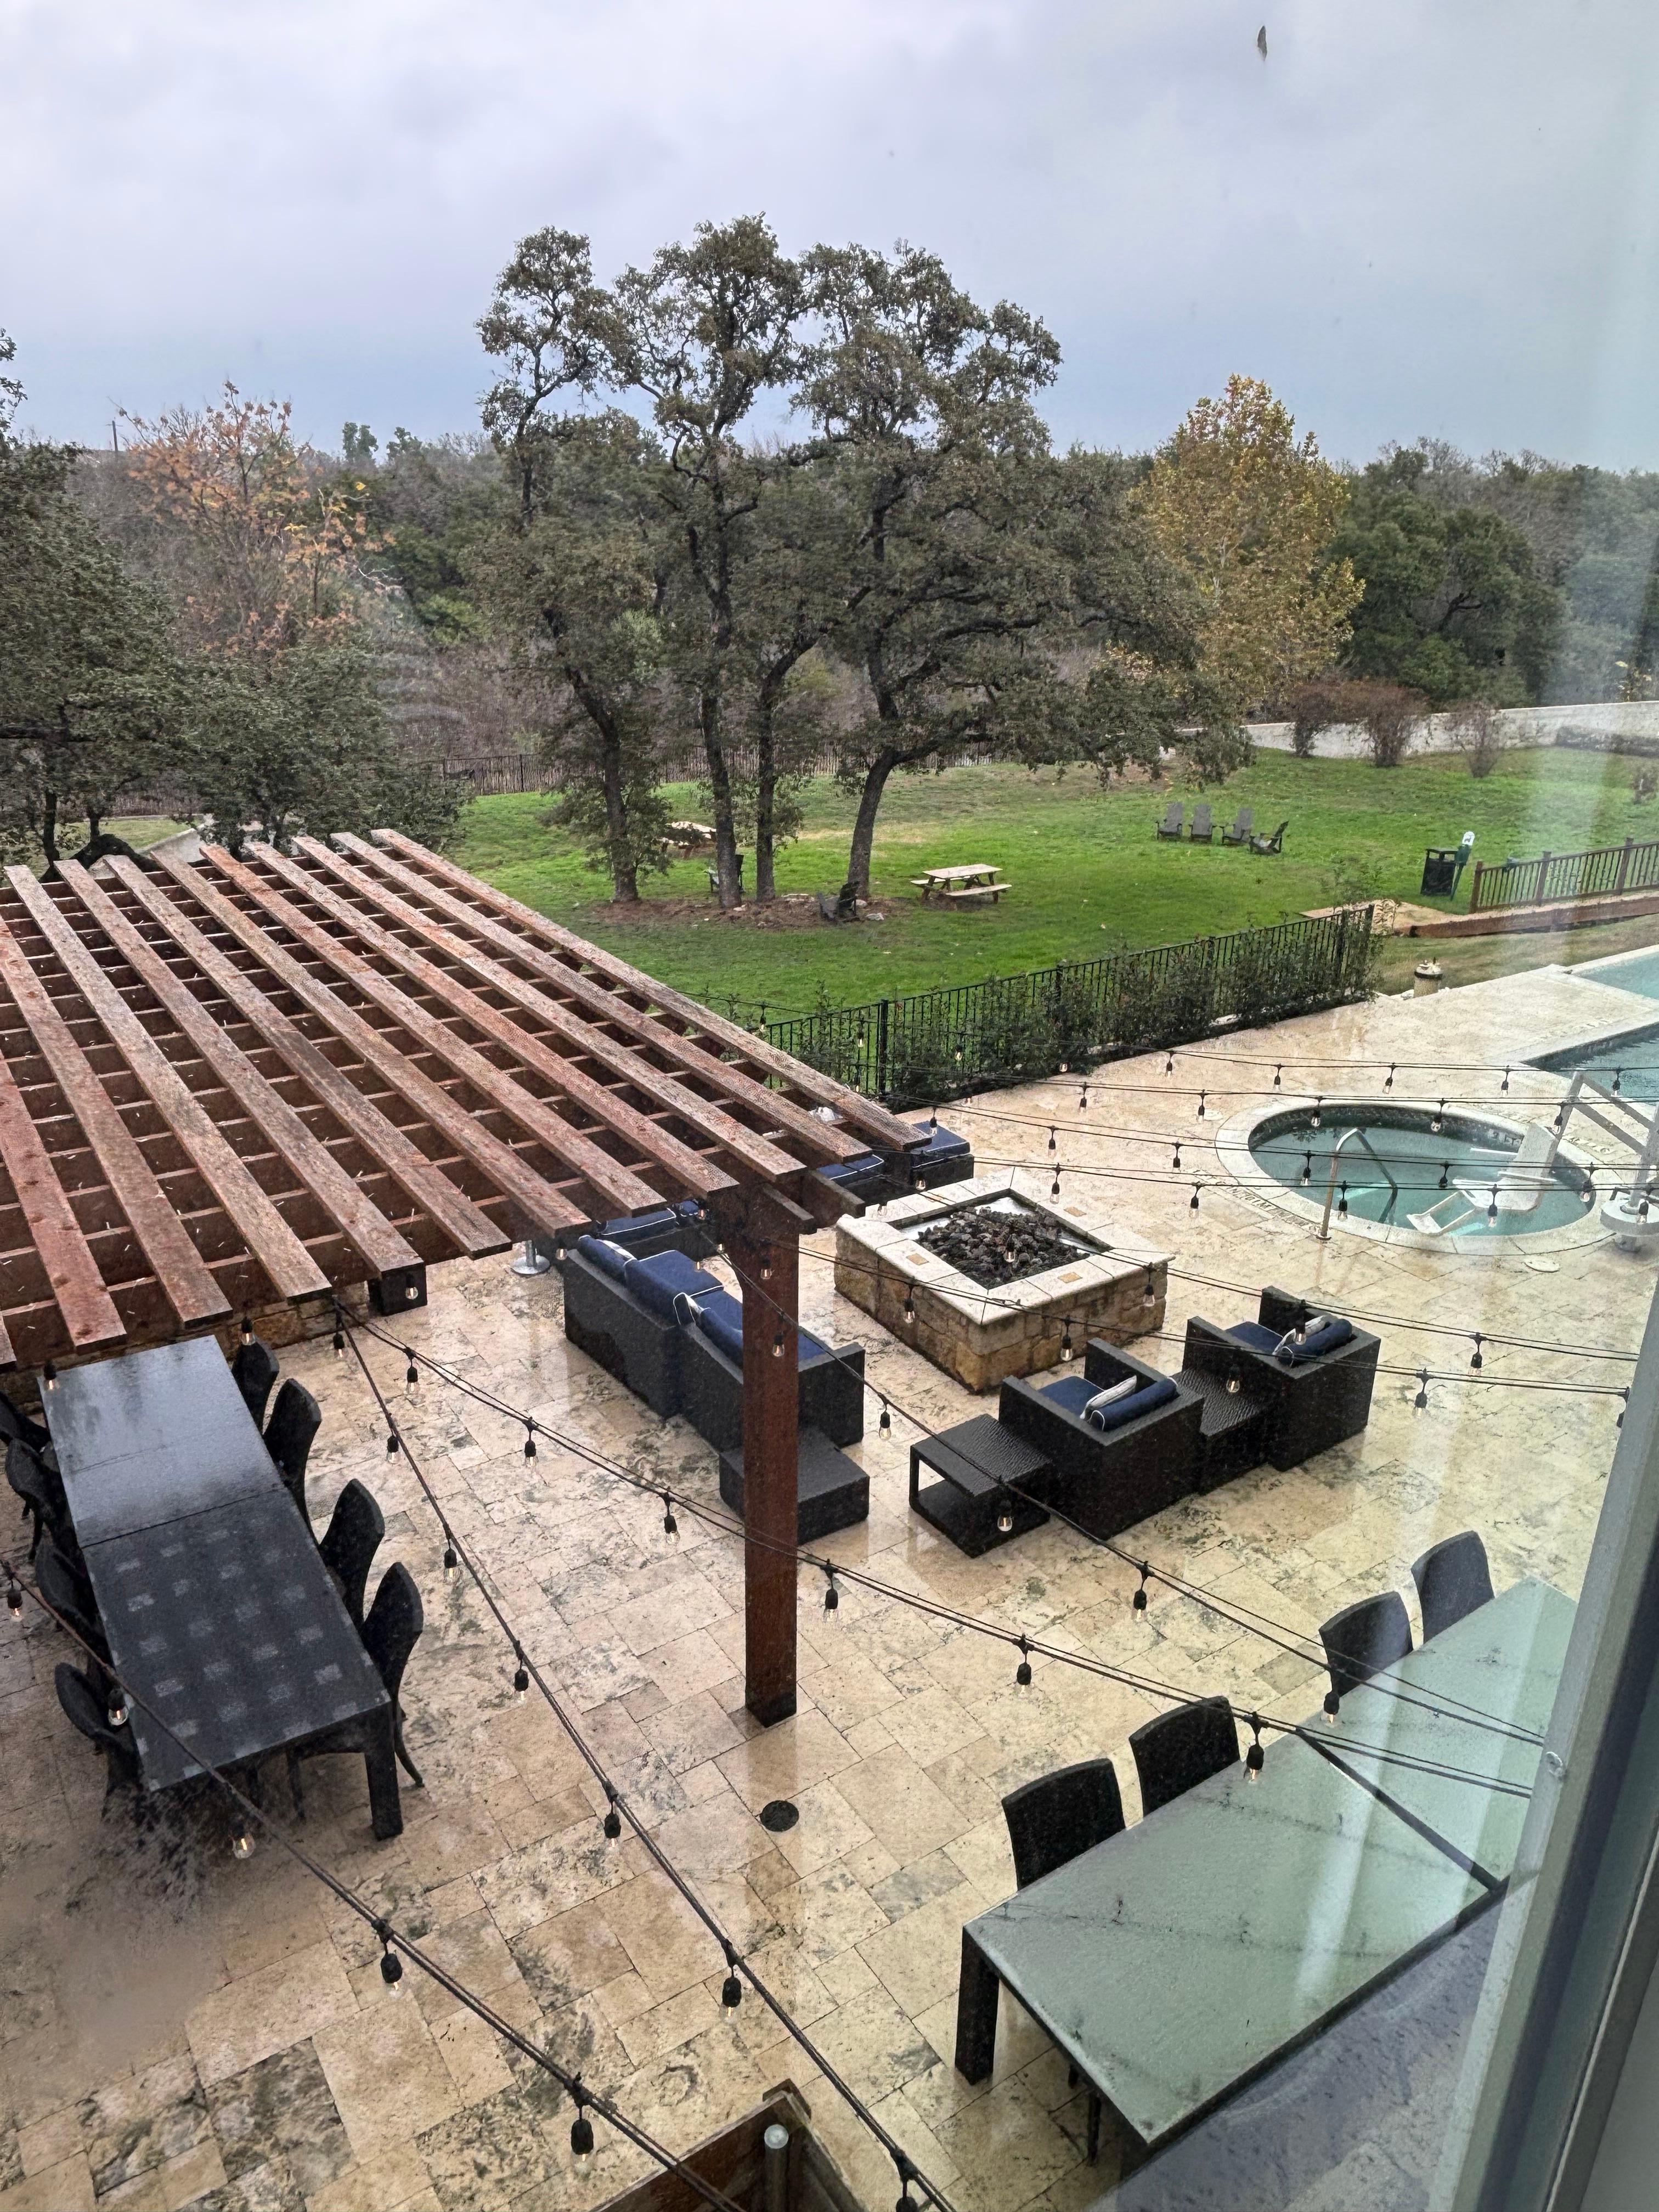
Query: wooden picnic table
(973, 879)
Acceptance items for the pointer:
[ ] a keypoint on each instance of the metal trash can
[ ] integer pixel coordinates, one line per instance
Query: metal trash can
(1440, 872)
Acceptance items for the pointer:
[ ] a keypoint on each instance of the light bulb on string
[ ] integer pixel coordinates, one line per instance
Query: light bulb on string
(530, 1440)
(1437, 1119)
(581, 2133)
(933, 1118)
(1234, 1386)
(777, 1342)
(247, 1328)
(1053, 1142)
(1332, 1705)
(1138, 1600)
(1054, 1187)
(885, 1425)
(1005, 1514)
(241, 1841)
(391, 1443)
(1342, 1205)
(1475, 1361)
(1279, 1075)
(520, 1677)
(1175, 1165)
(338, 1341)
(1491, 1208)
(116, 1708)
(452, 1564)
(1201, 1097)
(766, 1270)
(412, 1374)
(1307, 1170)
(1317, 1115)
(391, 1966)
(1504, 1084)
(831, 1594)
(1149, 1290)
(1191, 1203)
(671, 1527)
(909, 1303)
(1624, 1401)
(731, 1988)
(1083, 1102)
(1422, 1398)
(1169, 1065)
(1388, 1081)
(1618, 1081)
(1066, 1350)
(13, 1598)
(1254, 1758)
(1023, 1671)
(612, 1824)
(1445, 1173)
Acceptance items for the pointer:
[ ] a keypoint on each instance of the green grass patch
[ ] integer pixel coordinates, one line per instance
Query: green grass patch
(1089, 877)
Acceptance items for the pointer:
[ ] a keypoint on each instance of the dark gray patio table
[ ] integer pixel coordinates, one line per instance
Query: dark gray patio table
(227, 1626)
(144, 1438)
(1176, 1959)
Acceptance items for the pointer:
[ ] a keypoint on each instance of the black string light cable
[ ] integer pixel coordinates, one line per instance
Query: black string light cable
(618, 1810)
(1221, 1183)
(395, 1945)
(836, 1573)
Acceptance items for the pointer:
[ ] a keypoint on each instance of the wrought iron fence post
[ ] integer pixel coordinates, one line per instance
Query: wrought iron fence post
(881, 1069)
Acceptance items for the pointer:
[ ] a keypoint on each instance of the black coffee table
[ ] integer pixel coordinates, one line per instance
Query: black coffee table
(833, 1490)
(975, 1460)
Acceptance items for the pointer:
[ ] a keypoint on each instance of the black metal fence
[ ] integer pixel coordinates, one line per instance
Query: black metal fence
(1019, 1028)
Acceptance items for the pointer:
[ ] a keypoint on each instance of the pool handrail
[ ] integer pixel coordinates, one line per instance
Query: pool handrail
(1330, 1185)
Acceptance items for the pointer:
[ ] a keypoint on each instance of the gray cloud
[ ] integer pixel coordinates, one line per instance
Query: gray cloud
(1411, 218)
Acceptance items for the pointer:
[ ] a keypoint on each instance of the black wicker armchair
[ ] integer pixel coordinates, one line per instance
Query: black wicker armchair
(831, 1396)
(1127, 1460)
(1313, 1382)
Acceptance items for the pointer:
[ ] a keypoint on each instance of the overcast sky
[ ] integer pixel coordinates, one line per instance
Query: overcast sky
(1416, 217)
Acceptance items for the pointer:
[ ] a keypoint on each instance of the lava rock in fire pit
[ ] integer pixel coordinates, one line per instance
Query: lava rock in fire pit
(993, 1244)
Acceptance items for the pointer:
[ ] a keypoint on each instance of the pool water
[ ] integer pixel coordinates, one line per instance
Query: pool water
(1424, 1164)
(1632, 1058)
(1626, 971)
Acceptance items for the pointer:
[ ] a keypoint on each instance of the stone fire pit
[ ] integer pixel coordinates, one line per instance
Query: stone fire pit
(982, 1331)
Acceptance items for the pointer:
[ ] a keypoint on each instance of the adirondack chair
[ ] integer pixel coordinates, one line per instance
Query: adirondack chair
(844, 907)
(1516, 1189)
(1240, 832)
(1203, 829)
(1170, 825)
(1273, 844)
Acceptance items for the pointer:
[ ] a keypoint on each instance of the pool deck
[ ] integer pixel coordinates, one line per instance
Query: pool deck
(184, 2030)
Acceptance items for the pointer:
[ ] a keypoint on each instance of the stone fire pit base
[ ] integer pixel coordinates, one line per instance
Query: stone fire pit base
(980, 1335)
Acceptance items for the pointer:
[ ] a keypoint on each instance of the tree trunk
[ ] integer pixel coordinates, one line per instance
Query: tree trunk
(766, 789)
(720, 785)
(864, 827)
(93, 821)
(624, 871)
(49, 828)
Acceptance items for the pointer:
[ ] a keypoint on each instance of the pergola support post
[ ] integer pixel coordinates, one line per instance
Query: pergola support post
(768, 1268)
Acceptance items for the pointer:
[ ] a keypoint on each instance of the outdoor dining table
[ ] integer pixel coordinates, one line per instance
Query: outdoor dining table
(1175, 1961)
(222, 1619)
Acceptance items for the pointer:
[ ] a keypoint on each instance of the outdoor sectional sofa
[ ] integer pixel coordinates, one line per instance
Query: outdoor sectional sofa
(947, 1157)
(666, 1328)
(1135, 1456)
(1311, 1374)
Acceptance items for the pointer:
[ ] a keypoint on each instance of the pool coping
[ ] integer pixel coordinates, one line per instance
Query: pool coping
(1232, 1144)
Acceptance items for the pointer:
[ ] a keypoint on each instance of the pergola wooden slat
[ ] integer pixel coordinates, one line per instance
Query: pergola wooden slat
(275, 1077)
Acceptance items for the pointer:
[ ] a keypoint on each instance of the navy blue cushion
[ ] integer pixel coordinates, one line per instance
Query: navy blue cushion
(720, 1319)
(610, 1259)
(1146, 1400)
(845, 1170)
(1071, 1393)
(658, 1281)
(1254, 1337)
(638, 1224)
(1318, 1340)
(942, 1145)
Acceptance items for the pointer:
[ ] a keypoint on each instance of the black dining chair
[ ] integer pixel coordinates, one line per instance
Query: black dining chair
(1176, 1750)
(254, 1371)
(1364, 1637)
(1050, 1821)
(1453, 1579)
(294, 1420)
(69, 1594)
(85, 1707)
(17, 1426)
(390, 1634)
(40, 1488)
(353, 1536)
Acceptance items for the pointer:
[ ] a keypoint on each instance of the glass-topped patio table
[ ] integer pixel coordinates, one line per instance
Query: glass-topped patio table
(1178, 1958)
(152, 1435)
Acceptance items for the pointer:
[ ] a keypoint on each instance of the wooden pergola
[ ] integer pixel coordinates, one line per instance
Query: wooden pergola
(264, 1080)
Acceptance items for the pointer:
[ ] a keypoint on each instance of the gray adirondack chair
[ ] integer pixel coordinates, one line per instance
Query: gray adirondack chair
(1170, 825)
(1240, 832)
(1203, 829)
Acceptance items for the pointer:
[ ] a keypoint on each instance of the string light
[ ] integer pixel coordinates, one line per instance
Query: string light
(1023, 1671)
(1317, 1115)
(529, 1439)
(1083, 1102)
(1234, 1386)
(909, 1303)
(1054, 1187)
(671, 1527)
(1066, 1351)
(731, 1988)
(1436, 1119)
(1491, 1208)
(581, 2132)
(1342, 1205)
(49, 1376)
(1200, 1104)
(1445, 1173)
(1388, 1080)
(885, 1425)
(1307, 1170)
(777, 1342)
(1475, 1361)
(1332, 1705)
(247, 1328)
(452, 1564)
(1053, 1142)
(411, 1373)
(1169, 1065)
(933, 1118)
(241, 1841)
(1004, 1514)
(766, 1270)
(1278, 1075)
(520, 1675)
(1422, 1398)
(1138, 1600)
(116, 1708)
(611, 1823)
(13, 1598)
(1623, 1400)
(391, 1443)
(1149, 1293)
(1504, 1084)
(1254, 1758)
(1618, 1082)
(831, 1593)
(391, 1966)
(1191, 1203)
(1175, 1165)
(339, 1344)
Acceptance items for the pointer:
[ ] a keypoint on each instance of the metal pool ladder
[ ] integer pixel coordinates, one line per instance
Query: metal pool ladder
(1364, 1142)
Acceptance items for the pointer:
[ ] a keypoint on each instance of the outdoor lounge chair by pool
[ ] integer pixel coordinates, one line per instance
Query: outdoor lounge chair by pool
(1126, 1460)
(1515, 1189)
(1169, 827)
(1311, 1374)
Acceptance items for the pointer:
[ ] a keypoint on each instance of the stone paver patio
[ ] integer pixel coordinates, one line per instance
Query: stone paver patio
(182, 2029)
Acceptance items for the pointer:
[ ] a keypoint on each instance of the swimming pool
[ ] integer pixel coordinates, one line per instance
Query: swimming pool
(1626, 971)
(1394, 1162)
(1630, 1058)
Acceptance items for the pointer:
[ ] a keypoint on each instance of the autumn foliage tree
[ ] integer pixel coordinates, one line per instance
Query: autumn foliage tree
(1247, 510)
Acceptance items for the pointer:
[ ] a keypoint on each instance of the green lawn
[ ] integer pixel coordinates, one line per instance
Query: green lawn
(1089, 874)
